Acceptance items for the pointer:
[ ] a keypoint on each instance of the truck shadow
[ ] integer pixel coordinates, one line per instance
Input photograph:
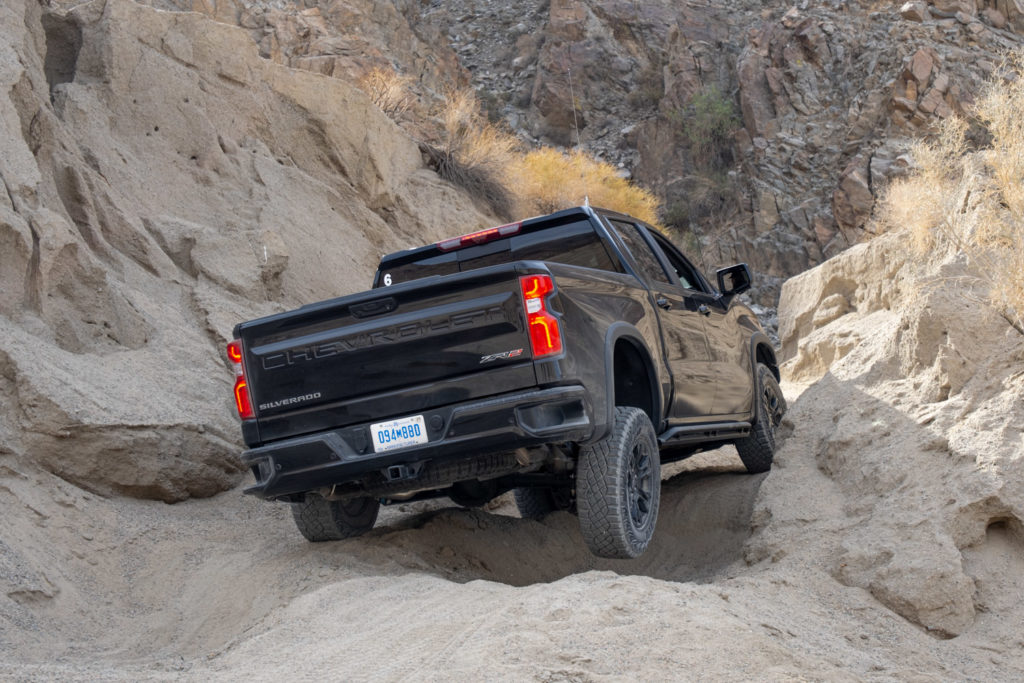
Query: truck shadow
(703, 524)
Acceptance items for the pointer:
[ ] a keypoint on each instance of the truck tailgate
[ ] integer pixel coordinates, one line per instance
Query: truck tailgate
(387, 352)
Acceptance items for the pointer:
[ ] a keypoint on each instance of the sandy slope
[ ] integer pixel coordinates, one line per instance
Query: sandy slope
(224, 588)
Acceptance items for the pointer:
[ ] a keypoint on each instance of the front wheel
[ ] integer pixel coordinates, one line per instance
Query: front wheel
(618, 487)
(319, 519)
(757, 451)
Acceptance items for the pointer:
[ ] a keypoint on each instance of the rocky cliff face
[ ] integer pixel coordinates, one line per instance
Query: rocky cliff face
(825, 97)
(162, 182)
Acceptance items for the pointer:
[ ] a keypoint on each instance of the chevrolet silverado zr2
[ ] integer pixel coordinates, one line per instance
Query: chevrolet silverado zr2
(563, 357)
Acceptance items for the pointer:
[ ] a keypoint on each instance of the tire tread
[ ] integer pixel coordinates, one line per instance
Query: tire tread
(319, 519)
(757, 451)
(600, 479)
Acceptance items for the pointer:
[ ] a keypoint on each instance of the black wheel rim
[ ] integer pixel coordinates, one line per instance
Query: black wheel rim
(355, 506)
(772, 404)
(640, 485)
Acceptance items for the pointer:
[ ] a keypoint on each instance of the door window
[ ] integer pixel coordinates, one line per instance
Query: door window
(688, 276)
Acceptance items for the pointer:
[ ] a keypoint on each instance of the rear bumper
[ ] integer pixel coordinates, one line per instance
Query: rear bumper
(504, 423)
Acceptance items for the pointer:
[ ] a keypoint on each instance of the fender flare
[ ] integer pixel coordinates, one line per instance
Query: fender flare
(760, 341)
(616, 332)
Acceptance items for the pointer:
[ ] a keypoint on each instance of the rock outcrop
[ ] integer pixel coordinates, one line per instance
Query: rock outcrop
(906, 463)
(161, 183)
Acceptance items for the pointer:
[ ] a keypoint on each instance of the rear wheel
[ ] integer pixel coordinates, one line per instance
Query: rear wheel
(471, 494)
(537, 502)
(319, 519)
(619, 487)
(757, 451)
(534, 502)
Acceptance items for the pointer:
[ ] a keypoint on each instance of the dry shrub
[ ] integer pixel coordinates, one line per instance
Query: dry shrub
(548, 180)
(972, 201)
(487, 162)
(474, 154)
(389, 90)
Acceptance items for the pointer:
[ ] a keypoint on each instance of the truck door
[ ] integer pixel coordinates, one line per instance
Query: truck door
(682, 326)
(728, 341)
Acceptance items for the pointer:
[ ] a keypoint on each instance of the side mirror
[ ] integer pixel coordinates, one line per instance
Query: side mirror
(734, 279)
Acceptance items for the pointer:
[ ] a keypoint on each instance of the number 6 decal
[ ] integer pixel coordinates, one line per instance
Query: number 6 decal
(387, 279)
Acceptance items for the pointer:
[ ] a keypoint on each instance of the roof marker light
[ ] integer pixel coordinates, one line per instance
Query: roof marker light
(480, 237)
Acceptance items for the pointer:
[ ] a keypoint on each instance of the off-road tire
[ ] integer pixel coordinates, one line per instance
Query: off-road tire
(471, 494)
(319, 519)
(618, 487)
(534, 502)
(757, 451)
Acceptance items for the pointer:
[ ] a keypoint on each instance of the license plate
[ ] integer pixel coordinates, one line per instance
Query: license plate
(401, 433)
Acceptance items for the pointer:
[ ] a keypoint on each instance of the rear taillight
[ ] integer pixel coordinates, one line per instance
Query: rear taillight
(480, 237)
(242, 401)
(545, 336)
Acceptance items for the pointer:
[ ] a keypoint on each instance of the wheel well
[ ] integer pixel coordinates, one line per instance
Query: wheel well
(764, 354)
(633, 385)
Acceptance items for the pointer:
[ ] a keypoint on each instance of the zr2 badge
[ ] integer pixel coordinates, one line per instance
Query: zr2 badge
(501, 356)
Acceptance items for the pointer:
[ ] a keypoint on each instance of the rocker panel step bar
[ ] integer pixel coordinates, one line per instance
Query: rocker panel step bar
(716, 431)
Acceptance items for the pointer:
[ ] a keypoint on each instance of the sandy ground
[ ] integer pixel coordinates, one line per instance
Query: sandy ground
(225, 589)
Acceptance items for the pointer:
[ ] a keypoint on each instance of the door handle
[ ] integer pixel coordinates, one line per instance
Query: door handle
(703, 309)
(664, 303)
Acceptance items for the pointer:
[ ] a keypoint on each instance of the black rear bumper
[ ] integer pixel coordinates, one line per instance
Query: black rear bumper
(339, 456)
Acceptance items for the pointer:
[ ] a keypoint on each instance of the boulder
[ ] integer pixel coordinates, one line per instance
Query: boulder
(915, 11)
(949, 8)
(919, 66)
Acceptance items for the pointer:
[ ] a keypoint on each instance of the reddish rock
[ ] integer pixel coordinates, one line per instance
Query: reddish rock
(852, 200)
(824, 230)
(910, 91)
(755, 94)
(919, 66)
(931, 101)
(567, 20)
(814, 42)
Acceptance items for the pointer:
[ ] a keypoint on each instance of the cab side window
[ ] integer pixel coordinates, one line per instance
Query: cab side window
(687, 275)
(646, 260)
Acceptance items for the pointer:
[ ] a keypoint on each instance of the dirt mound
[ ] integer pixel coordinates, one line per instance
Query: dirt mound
(704, 522)
(224, 588)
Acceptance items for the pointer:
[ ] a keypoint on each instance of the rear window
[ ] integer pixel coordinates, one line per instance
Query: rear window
(574, 243)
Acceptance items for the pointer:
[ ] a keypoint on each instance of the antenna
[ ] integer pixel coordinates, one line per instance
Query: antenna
(579, 146)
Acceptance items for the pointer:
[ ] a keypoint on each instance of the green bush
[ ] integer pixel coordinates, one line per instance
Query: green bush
(707, 122)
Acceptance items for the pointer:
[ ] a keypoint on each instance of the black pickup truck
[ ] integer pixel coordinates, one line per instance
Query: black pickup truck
(564, 357)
